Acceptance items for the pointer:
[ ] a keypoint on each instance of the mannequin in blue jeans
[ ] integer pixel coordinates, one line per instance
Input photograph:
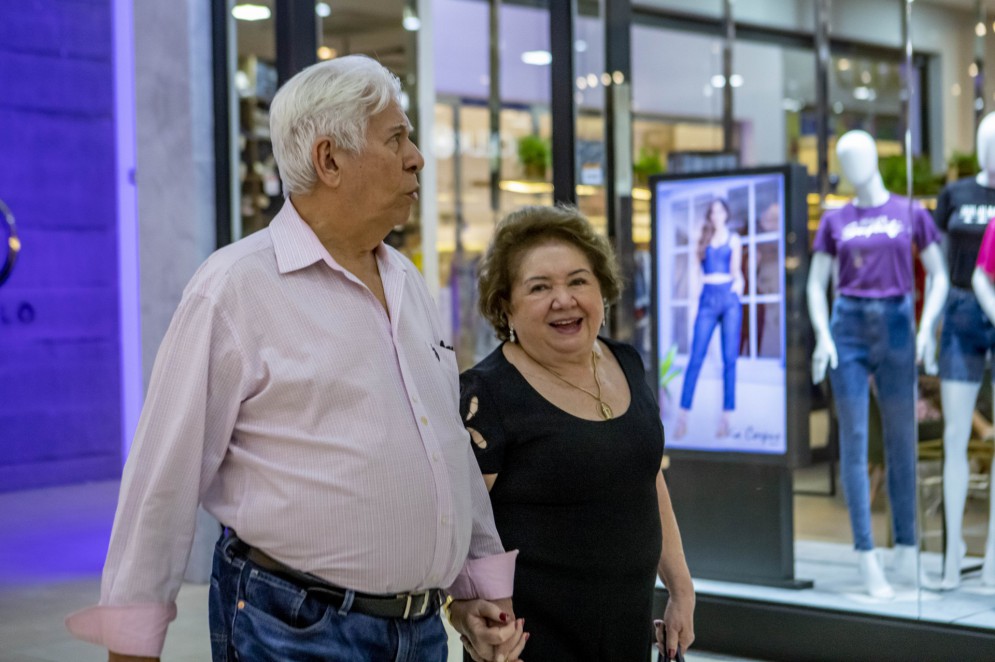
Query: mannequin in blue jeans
(872, 334)
(720, 255)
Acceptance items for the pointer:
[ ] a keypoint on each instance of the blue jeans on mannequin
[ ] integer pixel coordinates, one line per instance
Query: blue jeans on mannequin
(718, 304)
(259, 616)
(876, 337)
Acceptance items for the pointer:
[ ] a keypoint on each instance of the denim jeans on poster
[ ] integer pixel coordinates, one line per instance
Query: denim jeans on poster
(278, 622)
(718, 304)
(876, 337)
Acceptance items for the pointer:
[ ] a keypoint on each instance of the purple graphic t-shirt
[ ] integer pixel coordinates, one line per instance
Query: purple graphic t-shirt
(874, 245)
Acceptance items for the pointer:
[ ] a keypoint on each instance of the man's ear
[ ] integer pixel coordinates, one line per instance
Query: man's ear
(325, 159)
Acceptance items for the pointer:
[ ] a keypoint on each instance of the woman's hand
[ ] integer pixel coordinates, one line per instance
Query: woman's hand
(678, 623)
(488, 630)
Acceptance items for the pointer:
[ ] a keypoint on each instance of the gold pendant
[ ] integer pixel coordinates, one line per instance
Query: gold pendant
(606, 411)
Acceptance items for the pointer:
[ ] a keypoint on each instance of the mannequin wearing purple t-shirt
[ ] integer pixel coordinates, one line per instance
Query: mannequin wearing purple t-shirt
(872, 334)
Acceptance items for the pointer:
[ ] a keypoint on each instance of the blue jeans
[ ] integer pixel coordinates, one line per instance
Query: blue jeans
(718, 303)
(967, 338)
(259, 617)
(875, 337)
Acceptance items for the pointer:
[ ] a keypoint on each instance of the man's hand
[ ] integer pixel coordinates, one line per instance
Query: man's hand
(117, 657)
(489, 630)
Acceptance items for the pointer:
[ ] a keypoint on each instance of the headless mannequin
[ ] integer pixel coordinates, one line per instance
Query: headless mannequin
(859, 163)
(959, 400)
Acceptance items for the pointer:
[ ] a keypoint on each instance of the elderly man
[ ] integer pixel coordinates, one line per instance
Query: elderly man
(304, 395)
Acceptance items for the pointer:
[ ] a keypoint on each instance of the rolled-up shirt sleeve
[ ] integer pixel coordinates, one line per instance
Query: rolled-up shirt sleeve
(194, 394)
(489, 571)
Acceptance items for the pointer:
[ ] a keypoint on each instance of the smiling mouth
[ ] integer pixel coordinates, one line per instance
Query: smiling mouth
(567, 325)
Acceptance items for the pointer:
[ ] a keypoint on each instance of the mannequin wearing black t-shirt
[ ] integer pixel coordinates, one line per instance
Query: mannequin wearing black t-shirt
(963, 211)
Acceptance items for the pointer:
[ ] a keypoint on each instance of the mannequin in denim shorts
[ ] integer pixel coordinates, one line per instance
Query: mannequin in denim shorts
(968, 338)
(871, 335)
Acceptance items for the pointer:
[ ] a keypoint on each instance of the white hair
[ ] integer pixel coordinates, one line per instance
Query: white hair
(334, 98)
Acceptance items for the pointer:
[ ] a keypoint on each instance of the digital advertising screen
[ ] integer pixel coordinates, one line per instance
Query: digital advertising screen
(720, 303)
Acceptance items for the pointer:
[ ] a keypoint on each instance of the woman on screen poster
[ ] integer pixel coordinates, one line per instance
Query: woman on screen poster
(720, 255)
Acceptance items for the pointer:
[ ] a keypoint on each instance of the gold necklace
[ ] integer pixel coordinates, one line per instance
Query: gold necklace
(603, 407)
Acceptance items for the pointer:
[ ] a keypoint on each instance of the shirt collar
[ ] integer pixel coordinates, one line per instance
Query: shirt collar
(296, 245)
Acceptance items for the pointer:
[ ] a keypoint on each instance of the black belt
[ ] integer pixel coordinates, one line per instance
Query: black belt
(401, 605)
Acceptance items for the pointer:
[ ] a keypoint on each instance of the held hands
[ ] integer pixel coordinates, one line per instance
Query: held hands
(823, 357)
(489, 630)
(926, 351)
(115, 657)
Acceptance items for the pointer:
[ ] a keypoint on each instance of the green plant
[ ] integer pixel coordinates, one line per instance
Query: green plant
(534, 155)
(649, 163)
(963, 164)
(668, 371)
(924, 182)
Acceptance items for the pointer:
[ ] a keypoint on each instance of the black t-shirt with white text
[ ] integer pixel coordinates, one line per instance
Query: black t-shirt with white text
(963, 210)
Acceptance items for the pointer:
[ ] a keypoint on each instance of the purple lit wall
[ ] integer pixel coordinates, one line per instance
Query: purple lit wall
(60, 365)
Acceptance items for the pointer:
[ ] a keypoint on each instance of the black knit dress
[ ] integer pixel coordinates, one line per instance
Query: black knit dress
(577, 498)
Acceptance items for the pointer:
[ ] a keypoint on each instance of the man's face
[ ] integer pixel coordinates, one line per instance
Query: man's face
(382, 180)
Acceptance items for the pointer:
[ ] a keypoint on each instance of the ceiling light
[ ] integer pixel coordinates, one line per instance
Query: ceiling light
(972, 70)
(538, 58)
(410, 22)
(718, 80)
(592, 80)
(326, 53)
(838, 107)
(580, 45)
(736, 80)
(864, 93)
(606, 79)
(251, 12)
(581, 83)
(323, 9)
(618, 77)
(843, 64)
(979, 29)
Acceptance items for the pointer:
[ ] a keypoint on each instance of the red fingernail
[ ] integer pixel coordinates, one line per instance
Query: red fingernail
(504, 617)
(671, 653)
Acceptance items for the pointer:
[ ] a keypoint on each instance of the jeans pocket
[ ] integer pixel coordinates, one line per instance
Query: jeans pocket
(274, 621)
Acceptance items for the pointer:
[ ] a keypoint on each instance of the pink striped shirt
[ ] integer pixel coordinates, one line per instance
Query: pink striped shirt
(326, 433)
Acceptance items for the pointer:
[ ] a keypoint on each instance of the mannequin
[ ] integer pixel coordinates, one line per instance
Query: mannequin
(962, 211)
(985, 291)
(872, 325)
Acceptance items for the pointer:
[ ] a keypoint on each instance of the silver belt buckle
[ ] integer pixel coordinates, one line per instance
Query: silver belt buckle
(421, 610)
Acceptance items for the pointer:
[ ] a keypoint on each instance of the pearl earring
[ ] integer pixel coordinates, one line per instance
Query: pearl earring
(511, 334)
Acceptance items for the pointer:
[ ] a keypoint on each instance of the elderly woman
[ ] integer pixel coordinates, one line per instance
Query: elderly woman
(569, 440)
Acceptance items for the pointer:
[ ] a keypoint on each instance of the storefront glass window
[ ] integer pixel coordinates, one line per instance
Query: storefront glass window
(260, 192)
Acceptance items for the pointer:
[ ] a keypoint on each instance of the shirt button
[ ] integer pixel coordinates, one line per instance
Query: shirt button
(414, 398)
(435, 457)
(424, 421)
(445, 520)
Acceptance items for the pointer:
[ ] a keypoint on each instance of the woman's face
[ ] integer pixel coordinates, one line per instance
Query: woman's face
(556, 306)
(717, 214)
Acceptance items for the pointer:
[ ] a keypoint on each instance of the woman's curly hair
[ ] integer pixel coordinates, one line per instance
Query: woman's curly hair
(523, 230)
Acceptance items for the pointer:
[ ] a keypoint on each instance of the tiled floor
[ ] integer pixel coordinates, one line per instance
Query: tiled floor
(52, 545)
